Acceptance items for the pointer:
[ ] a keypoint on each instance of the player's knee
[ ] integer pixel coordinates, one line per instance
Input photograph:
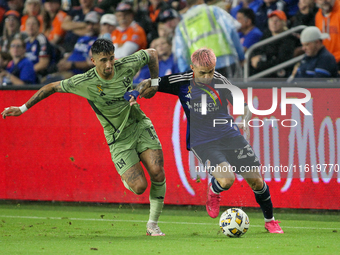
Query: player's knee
(157, 174)
(256, 184)
(226, 183)
(140, 188)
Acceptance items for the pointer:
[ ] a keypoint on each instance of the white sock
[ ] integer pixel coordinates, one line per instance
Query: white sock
(268, 220)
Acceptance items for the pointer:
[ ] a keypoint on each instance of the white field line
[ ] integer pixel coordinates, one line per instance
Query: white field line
(144, 221)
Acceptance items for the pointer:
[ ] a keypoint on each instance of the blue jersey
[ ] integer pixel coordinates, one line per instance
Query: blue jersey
(200, 128)
(23, 70)
(251, 38)
(323, 65)
(40, 47)
(81, 50)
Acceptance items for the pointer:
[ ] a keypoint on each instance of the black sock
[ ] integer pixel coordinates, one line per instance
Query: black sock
(263, 199)
(216, 186)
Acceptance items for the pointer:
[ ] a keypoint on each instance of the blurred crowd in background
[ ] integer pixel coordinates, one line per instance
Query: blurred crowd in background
(47, 40)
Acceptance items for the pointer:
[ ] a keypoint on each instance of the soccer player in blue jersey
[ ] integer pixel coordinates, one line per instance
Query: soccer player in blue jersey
(222, 145)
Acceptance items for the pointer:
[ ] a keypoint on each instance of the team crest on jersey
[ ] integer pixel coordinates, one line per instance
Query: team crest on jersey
(127, 81)
(100, 90)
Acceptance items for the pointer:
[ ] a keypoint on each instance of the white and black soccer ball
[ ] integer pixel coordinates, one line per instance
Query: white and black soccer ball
(234, 222)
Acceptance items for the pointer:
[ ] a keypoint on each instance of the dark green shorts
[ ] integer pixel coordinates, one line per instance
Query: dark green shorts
(133, 141)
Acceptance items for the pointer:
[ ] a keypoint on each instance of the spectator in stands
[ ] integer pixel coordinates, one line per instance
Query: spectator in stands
(275, 52)
(305, 16)
(291, 8)
(38, 49)
(170, 18)
(167, 64)
(328, 21)
(5, 58)
(33, 8)
(318, 62)
(11, 29)
(248, 33)
(107, 5)
(265, 9)
(20, 69)
(79, 60)
(222, 37)
(306, 13)
(67, 5)
(147, 17)
(129, 37)
(74, 22)
(53, 18)
(108, 24)
(251, 4)
(16, 5)
(3, 9)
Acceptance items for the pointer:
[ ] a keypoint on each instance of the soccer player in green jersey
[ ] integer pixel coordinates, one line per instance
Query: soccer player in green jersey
(129, 133)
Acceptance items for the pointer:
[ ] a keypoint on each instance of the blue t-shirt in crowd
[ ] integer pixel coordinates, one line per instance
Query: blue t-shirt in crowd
(23, 70)
(251, 38)
(81, 50)
(323, 65)
(254, 5)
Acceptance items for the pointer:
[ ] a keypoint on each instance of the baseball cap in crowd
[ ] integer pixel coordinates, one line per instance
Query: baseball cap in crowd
(280, 14)
(12, 13)
(124, 7)
(311, 34)
(92, 17)
(167, 15)
(109, 19)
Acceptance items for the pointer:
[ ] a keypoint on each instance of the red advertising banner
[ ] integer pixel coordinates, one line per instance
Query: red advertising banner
(57, 151)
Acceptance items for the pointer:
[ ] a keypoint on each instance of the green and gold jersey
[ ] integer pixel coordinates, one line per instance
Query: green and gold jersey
(108, 95)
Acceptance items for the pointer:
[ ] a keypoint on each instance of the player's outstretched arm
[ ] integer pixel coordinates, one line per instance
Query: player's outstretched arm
(153, 63)
(41, 94)
(145, 89)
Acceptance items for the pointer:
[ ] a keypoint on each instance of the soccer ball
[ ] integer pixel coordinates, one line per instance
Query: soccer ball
(234, 222)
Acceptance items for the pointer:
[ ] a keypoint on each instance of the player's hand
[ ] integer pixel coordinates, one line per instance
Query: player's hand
(145, 89)
(132, 101)
(246, 130)
(11, 111)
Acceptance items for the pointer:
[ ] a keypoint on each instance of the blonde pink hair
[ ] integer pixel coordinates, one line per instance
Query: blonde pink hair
(203, 57)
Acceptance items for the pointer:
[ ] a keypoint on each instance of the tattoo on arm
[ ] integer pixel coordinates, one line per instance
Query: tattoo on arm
(44, 92)
(153, 63)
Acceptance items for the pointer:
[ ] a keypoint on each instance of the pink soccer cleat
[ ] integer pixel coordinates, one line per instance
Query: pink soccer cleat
(213, 203)
(273, 227)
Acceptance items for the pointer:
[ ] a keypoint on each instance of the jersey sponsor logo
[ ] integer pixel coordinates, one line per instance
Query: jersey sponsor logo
(121, 163)
(127, 81)
(111, 102)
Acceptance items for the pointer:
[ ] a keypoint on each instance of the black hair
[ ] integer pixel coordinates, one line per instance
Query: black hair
(102, 46)
(249, 13)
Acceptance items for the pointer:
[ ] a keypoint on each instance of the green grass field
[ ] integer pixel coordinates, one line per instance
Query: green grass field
(62, 228)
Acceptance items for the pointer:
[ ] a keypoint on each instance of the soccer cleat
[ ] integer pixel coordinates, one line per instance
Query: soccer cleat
(273, 227)
(213, 203)
(152, 229)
